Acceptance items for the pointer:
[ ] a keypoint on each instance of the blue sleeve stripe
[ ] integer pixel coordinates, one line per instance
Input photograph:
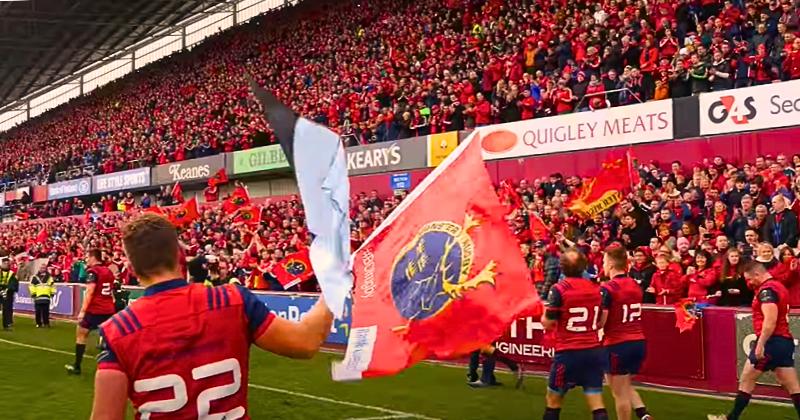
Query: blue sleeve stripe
(210, 298)
(255, 310)
(225, 296)
(127, 322)
(134, 319)
(119, 326)
(217, 297)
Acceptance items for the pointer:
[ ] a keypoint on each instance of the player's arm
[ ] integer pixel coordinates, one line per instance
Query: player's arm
(110, 395)
(297, 340)
(605, 303)
(552, 310)
(769, 307)
(91, 286)
(110, 385)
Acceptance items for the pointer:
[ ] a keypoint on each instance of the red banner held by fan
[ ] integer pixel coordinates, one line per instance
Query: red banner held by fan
(186, 214)
(604, 190)
(294, 269)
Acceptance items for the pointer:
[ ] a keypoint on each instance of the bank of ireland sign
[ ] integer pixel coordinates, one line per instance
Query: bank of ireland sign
(71, 188)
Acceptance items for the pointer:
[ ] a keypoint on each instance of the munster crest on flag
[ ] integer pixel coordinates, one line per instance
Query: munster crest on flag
(441, 277)
(294, 269)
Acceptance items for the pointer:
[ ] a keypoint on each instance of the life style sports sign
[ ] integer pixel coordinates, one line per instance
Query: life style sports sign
(752, 108)
(188, 170)
(388, 157)
(632, 124)
(71, 188)
(120, 181)
(61, 303)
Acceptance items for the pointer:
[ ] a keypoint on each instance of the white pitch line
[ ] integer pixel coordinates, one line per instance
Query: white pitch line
(379, 418)
(393, 414)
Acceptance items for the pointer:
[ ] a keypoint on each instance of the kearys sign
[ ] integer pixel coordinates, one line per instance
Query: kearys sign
(388, 157)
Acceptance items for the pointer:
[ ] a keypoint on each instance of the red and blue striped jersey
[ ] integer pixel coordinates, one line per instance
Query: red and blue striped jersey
(185, 349)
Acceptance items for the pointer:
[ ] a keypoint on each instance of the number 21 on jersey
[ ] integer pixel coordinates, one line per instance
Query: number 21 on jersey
(580, 315)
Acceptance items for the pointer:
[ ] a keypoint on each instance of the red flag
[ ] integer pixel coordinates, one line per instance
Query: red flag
(240, 198)
(436, 280)
(508, 196)
(294, 269)
(186, 214)
(221, 177)
(539, 230)
(177, 193)
(154, 209)
(249, 215)
(604, 190)
(42, 236)
(685, 315)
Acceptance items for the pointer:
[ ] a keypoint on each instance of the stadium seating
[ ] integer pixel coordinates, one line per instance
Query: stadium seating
(383, 70)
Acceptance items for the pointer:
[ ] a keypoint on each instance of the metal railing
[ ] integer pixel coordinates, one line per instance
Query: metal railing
(608, 105)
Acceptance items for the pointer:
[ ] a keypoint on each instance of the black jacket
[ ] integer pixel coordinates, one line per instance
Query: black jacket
(784, 232)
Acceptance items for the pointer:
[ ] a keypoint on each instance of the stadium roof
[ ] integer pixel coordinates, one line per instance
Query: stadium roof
(43, 41)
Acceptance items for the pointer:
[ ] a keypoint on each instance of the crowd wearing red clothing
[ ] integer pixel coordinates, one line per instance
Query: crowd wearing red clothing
(688, 229)
(384, 70)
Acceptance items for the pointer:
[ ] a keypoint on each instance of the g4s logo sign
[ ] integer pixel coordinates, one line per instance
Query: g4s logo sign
(726, 107)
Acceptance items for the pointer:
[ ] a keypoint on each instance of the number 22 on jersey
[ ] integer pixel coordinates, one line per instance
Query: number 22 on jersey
(204, 399)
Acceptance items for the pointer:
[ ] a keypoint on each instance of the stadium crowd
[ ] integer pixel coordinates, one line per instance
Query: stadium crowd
(688, 227)
(384, 70)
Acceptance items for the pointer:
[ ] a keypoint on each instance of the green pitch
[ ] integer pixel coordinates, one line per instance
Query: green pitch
(34, 385)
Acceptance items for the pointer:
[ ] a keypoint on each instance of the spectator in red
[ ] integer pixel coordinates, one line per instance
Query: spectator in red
(791, 267)
(648, 62)
(791, 64)
(703, 279)
(563, 98)
(668, 285)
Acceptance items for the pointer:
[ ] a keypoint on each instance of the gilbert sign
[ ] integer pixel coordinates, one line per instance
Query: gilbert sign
(188, 170)
(642, 123)
(388, 157)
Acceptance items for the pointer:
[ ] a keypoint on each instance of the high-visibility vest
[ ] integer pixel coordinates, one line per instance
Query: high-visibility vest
(43, 290)
(5, 278)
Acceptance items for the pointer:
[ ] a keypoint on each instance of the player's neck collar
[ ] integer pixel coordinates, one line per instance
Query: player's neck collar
(164, 286)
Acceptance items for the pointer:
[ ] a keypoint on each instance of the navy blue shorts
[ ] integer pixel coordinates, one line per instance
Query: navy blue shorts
(93, 321)
(626, 358)
(573, 368)
(778, 353)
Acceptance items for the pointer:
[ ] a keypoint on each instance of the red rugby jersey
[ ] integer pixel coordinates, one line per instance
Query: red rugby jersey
(576, 304)
(102, 300)
(622, 298)
(772, 291)
(185, 349)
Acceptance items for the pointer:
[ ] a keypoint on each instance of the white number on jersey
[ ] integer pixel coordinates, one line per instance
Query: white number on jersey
(631, 312)
(178, 386)
(581, 316)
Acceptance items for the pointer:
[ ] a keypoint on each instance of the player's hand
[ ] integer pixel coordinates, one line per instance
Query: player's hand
(81, 315)
(759, 351)
(650, 290)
